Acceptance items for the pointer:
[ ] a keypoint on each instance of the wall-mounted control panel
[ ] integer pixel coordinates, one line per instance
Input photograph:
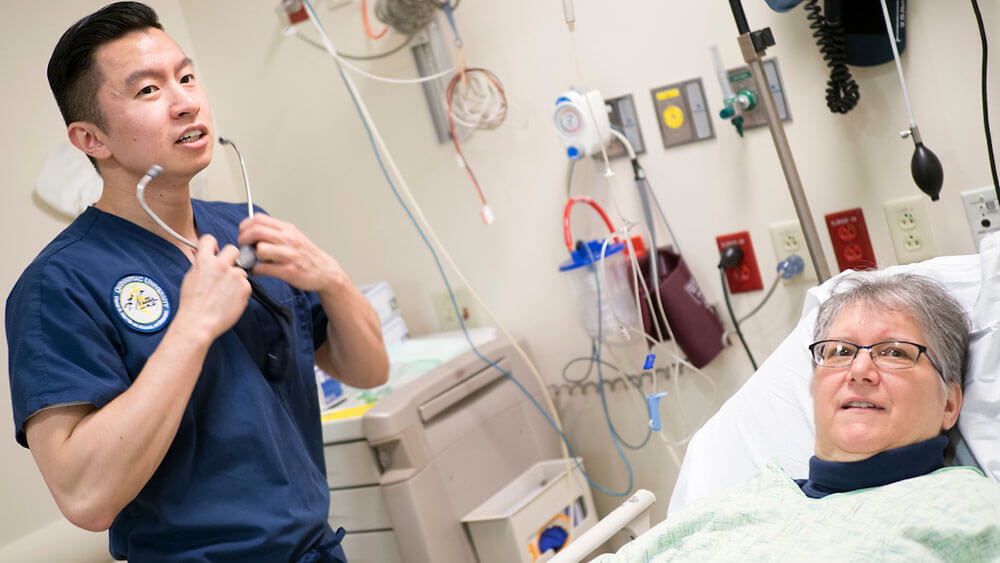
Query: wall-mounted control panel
(982, 210)
(682, 112)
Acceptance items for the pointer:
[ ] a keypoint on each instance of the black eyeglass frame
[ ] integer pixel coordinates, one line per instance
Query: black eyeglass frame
(921, 349)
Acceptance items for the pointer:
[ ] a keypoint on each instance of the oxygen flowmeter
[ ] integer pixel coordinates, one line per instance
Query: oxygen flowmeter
(582, 123)
(734, 103)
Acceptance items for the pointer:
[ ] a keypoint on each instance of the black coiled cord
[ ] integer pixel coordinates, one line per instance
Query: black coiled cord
(842, 91)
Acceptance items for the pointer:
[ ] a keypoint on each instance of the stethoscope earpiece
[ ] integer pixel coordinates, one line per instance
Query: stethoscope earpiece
(248, 253)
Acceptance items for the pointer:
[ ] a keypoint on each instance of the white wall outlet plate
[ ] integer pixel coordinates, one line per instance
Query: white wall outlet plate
(788, 239)
(910, 229)
(983, 212)
(445, 311)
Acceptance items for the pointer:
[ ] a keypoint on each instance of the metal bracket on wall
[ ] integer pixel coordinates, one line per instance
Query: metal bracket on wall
(432, 55)
(622, 116)
(740, 79)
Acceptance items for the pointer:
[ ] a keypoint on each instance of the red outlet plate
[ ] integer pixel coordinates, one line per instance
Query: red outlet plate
(851, 243)
(746, 275)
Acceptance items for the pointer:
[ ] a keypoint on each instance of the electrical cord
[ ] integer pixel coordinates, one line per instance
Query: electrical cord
(310, 41)
(639, 281)
(487, 211)
(596, 349)
(368, 26)
(986, 106)
(477, 99)
(375, 140)
(770, 292)
(731, 256)
(842, 91)
(569, 177)
(600, 387)
(343, 61)
(787, 269)
(663, 217)
(480, 103)
(600, 377)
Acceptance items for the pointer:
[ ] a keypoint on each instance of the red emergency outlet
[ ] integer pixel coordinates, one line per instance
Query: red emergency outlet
(744, 276)
(850, 239)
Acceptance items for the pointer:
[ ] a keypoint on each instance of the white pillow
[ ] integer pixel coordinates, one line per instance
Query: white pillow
(979, 421)
(771, 416)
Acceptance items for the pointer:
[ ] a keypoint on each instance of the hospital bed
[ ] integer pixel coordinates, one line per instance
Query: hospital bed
(771, 416)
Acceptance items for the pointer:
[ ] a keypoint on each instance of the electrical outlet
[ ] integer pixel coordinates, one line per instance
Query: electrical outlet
(788, 239)
(447, 320)
(744, 276)
(982, 210)
(910, 229)
(851, 243)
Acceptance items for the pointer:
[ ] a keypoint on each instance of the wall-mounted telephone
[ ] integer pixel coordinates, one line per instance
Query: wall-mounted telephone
(850, 32)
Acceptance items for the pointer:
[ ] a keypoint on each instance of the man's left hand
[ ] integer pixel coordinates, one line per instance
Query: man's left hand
(285, 253)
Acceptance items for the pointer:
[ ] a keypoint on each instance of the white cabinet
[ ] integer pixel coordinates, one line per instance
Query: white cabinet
(356, 501)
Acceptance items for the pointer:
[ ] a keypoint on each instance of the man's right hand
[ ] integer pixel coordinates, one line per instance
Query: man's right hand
(95, 461)
(214, 292)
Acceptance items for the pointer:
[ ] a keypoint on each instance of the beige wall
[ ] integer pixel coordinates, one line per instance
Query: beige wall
(34, 129)
(309, 158)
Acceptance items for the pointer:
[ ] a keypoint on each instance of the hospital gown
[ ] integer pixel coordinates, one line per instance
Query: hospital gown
(952, 514)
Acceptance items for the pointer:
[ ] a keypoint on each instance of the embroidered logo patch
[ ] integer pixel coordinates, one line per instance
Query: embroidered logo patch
(141, 303)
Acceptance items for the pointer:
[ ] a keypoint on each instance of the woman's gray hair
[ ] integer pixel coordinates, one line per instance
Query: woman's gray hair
(940, 318)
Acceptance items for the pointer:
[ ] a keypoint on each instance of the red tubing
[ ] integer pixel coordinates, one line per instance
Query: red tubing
(569, 205)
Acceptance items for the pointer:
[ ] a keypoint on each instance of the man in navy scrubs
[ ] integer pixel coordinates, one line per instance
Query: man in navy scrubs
(161, 396)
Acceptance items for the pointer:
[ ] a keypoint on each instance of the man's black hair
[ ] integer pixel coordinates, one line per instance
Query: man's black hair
(73, 74)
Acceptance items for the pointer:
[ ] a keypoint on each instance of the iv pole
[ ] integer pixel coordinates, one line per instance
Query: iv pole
(753, 45)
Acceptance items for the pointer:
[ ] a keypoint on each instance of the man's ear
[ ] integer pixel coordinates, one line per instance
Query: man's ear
(952, 406)
(88, 138)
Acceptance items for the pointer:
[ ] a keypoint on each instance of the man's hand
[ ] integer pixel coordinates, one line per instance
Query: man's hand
(214, 292)
(287, 254)
(353, 352)
(95, 461)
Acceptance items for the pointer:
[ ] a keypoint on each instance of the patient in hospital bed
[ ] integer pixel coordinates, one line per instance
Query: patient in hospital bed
(888, 355)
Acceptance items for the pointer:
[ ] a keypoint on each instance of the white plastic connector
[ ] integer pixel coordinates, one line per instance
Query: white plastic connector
(791, 267)
(487, 215)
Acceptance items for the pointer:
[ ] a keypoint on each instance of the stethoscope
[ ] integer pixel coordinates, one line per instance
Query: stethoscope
(282, 355)
(248, 254)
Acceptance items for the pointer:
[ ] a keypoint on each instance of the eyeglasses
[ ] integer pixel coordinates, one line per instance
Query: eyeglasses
(893, 354)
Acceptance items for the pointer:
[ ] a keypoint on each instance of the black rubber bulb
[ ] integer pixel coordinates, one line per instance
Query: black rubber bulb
(926, 170)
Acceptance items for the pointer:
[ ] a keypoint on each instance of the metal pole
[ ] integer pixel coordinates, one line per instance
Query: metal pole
(741, 19)
(753, 59)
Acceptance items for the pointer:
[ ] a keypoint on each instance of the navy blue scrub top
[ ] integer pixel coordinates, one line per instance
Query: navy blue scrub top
(245, 477)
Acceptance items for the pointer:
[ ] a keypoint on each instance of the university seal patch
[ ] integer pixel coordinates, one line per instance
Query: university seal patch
(141, 303)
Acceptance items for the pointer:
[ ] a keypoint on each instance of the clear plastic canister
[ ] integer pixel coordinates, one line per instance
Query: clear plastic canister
(587, 271)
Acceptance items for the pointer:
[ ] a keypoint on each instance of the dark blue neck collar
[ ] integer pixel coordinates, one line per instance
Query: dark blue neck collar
(828, 477)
